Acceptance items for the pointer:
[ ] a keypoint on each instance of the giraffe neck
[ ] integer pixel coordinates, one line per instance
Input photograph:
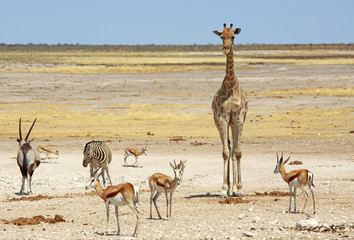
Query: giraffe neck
(230, 81)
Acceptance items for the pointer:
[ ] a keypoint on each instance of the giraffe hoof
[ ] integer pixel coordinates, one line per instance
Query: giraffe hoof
(237, 194)
(224, 193)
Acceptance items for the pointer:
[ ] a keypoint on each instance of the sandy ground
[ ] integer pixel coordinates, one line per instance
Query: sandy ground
(198, 211)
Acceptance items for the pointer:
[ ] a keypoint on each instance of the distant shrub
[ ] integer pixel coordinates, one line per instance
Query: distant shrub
(169, 48)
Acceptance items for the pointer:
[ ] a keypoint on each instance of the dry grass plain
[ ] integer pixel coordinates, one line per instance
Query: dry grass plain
(301, 103)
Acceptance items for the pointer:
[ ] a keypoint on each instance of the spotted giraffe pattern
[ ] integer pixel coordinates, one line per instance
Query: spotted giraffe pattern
(229, 109)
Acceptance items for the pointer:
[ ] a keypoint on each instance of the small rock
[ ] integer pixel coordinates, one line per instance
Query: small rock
(256, 219)
(250, 209)
(84, 232)
(249, 234)
(306, 224)
(241, 216)
(274, 222)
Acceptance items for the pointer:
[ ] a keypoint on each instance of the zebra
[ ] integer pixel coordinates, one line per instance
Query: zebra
(98, 155)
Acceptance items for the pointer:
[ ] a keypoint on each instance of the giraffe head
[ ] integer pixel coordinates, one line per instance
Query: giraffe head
(227, 36)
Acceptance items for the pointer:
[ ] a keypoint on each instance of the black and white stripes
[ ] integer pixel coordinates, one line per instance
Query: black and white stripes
(98, 155)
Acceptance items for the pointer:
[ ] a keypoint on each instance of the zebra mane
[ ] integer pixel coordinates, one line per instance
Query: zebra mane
(93, 142)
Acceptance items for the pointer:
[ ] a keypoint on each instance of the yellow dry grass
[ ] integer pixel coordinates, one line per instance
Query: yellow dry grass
(330, 91)
(92, 62)
(164, 121)
(161, 120)
(302, 123)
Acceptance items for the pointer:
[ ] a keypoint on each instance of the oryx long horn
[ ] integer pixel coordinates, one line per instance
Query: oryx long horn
(30, 129)
(20, 130)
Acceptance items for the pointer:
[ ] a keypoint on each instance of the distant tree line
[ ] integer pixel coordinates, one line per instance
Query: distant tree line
(169, 48)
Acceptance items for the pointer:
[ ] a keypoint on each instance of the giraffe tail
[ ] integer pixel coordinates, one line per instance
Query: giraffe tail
(228, 139)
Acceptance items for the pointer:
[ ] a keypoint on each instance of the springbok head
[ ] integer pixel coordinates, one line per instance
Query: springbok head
(22, 141)
(178, 169)
(279, 162)
(227, 36)
(92, 183)
(143, 150)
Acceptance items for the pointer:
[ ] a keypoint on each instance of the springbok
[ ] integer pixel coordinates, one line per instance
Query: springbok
(297, 179)
(119, 195)
(130, 152)
(28, 159)
(47, 150)
(160, 183)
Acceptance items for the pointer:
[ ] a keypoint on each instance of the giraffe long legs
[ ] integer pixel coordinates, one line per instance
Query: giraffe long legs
(223, 131)
(236, 160)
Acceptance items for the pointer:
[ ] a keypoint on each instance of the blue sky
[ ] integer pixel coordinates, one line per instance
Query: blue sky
(175, 22)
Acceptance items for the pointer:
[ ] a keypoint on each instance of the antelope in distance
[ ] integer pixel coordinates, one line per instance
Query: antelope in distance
(298, 179)
(130, 152)
(98, 155)
(47, 150)
(119, 195)
(28, 159)
(161, 183)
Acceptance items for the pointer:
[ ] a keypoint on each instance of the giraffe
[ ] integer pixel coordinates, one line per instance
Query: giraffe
(229, 109)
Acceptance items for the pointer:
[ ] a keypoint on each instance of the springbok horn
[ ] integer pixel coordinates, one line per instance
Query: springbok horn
(175, 163)
(94, 174)
(281, 159)
(286, 160)
(20, 130)
(181, 164)
(277, 157)
(30, 129)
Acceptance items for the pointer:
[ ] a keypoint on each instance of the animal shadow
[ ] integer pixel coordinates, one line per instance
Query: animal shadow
(133, 166)
(44, 161)
(121, 236)
(207, 195)
(23, 194)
